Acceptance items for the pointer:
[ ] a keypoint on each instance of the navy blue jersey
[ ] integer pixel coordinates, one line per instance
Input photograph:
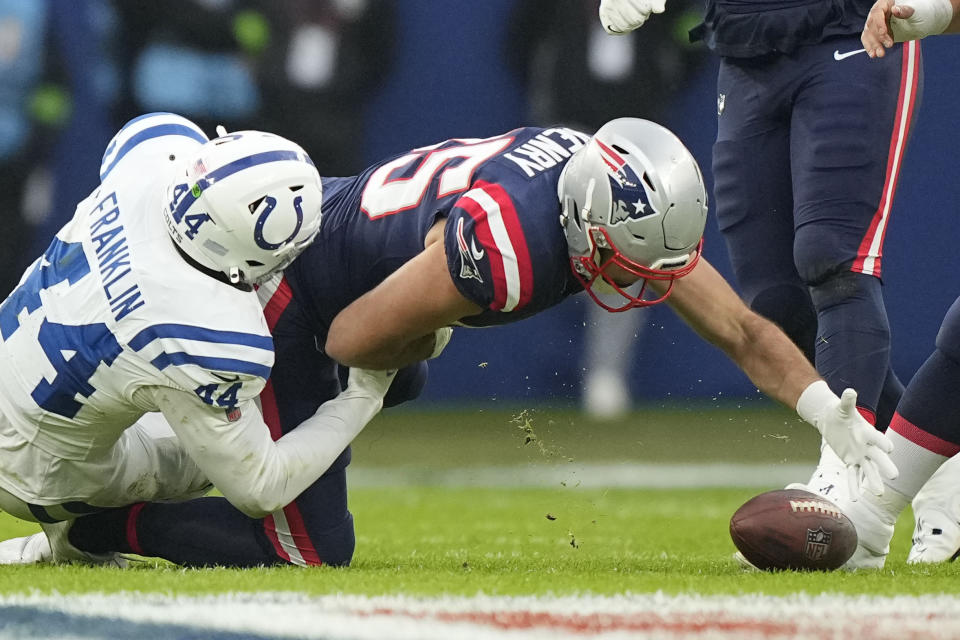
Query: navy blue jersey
(749, 28)
(505, 248)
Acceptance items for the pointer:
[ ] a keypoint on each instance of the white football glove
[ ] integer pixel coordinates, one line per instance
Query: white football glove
(372, 381)
(623, 16)
(929, 17)
(861, 447)
(440, 339)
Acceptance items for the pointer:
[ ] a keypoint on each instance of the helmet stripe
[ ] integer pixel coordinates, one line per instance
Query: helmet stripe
(610, 157)
(231, 168)
(149, 134)
(254, 160)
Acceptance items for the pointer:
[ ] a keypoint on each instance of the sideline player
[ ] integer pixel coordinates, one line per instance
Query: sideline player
(144, 301)
(925, 428)
(478, 233)
(810, 140)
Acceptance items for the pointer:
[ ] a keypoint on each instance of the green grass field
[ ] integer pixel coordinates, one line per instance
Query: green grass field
(419, 539)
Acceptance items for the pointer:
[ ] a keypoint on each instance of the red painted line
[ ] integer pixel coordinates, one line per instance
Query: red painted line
(596, 623)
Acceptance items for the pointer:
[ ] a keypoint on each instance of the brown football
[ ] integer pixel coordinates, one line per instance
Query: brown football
(793, 529)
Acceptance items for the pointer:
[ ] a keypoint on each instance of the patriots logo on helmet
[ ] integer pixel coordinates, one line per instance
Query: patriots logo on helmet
(628, 195)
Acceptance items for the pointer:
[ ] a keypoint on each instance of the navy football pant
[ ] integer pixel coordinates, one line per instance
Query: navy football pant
(315, 529)
(929, 412)
(805, 165)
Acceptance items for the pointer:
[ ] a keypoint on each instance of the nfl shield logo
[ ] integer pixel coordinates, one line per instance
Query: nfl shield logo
(818, 541)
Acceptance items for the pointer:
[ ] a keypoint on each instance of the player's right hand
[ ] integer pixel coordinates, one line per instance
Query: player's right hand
(623, 16)
(862, 448)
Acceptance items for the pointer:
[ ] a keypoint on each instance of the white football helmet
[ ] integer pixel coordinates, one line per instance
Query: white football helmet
(245, 204)
(633, 197)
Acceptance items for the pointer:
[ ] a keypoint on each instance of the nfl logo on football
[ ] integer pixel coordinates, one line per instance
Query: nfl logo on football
(818, 541)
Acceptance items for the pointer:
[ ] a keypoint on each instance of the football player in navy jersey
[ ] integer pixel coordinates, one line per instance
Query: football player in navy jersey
(926, 425)
(477, 233)
(811, 136)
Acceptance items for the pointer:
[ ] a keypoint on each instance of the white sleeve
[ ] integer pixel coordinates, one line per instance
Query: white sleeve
(256, 474)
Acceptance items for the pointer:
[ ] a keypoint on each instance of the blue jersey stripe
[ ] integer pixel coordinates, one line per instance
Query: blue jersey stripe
(149, 133)
(231, 168)
(210, 363)
(200, 334)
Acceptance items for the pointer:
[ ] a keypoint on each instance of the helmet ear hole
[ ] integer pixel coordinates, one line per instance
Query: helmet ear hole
(296, 188)
(253, 206)
(575, 213)
(647, 181)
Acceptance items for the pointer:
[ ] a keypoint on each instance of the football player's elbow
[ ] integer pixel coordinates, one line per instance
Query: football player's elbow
(344, 347)
(372, 352)
(255, 506)
(339, 350)
(252, 508)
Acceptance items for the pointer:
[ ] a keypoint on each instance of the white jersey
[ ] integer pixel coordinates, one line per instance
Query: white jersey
(112, 308)
(112, 322)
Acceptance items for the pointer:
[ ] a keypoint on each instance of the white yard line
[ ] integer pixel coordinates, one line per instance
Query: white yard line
(342, 617)
(599, 475)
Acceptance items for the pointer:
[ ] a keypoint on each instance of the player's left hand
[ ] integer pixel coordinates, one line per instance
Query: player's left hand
(861, 447)
(623, 16)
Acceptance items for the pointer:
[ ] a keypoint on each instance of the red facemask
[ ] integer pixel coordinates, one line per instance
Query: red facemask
(641, 271)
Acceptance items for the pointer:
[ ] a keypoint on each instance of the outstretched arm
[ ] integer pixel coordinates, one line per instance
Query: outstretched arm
(779, 369)
(710, 306)
(892, 21)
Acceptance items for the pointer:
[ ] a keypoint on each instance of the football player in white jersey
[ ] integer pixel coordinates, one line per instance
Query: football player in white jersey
(144, 302)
